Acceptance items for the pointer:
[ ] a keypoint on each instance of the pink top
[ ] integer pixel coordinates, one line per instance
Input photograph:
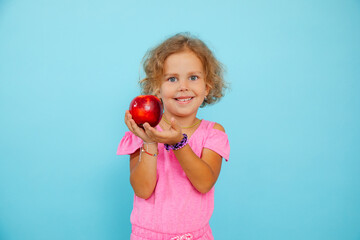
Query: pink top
(175, 205)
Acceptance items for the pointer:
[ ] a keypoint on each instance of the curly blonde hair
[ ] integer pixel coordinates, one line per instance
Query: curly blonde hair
(153, 64)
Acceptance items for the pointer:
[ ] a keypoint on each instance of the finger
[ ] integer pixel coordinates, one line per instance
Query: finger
(133, 125)
(175, 125)
(128, 124)
(128, 114)
(150, 131)
(141, 132)
(128, 119)
(136, 129)
(158, 136)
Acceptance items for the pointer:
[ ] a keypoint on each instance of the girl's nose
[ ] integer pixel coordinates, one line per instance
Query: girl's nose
(183, 85)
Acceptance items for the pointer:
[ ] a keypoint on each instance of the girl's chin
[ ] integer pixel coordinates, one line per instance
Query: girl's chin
(179, 114)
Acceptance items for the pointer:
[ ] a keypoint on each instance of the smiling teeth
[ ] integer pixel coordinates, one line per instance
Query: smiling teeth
(184, 100)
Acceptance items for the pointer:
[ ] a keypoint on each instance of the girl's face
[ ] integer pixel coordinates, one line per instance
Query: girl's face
(183, 86)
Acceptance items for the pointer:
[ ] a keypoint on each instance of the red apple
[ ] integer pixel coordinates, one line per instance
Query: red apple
(146, 108)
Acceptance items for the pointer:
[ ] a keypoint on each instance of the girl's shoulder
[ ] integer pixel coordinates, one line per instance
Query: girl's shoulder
(215, 138)
(208, 125)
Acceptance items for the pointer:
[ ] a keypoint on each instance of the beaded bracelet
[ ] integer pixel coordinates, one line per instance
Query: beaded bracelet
(178, 145)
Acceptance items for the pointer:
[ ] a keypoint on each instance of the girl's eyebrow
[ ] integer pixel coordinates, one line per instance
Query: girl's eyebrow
(170, 74)
(175, 74)
(192, 73)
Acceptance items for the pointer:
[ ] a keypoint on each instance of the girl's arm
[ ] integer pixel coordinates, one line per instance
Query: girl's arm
(202, 172)
(143, 175)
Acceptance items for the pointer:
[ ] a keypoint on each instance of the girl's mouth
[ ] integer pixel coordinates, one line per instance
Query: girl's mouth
(184, 100)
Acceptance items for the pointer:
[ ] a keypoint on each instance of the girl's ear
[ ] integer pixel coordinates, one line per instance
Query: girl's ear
(156, 92)
(208, 88)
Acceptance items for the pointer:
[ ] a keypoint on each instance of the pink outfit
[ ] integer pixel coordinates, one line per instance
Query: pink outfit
(175, 210)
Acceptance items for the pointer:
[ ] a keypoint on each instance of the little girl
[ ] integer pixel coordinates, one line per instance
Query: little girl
(174, 166)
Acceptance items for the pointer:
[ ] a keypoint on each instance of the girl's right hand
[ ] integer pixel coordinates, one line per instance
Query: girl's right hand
(135, 129)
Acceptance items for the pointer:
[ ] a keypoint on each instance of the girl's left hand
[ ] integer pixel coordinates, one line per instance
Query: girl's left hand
(135, 129)
(169, 136)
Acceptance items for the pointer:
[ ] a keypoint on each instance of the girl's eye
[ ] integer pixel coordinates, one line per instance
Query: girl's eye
(172, 79)
(193, 78)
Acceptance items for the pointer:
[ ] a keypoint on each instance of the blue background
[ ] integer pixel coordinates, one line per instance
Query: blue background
(68, 70)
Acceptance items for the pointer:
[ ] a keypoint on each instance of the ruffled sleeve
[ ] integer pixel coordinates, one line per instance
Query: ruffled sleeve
(218, 142)
(129, 144)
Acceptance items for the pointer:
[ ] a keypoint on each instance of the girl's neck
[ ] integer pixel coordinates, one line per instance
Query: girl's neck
(184, 122)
